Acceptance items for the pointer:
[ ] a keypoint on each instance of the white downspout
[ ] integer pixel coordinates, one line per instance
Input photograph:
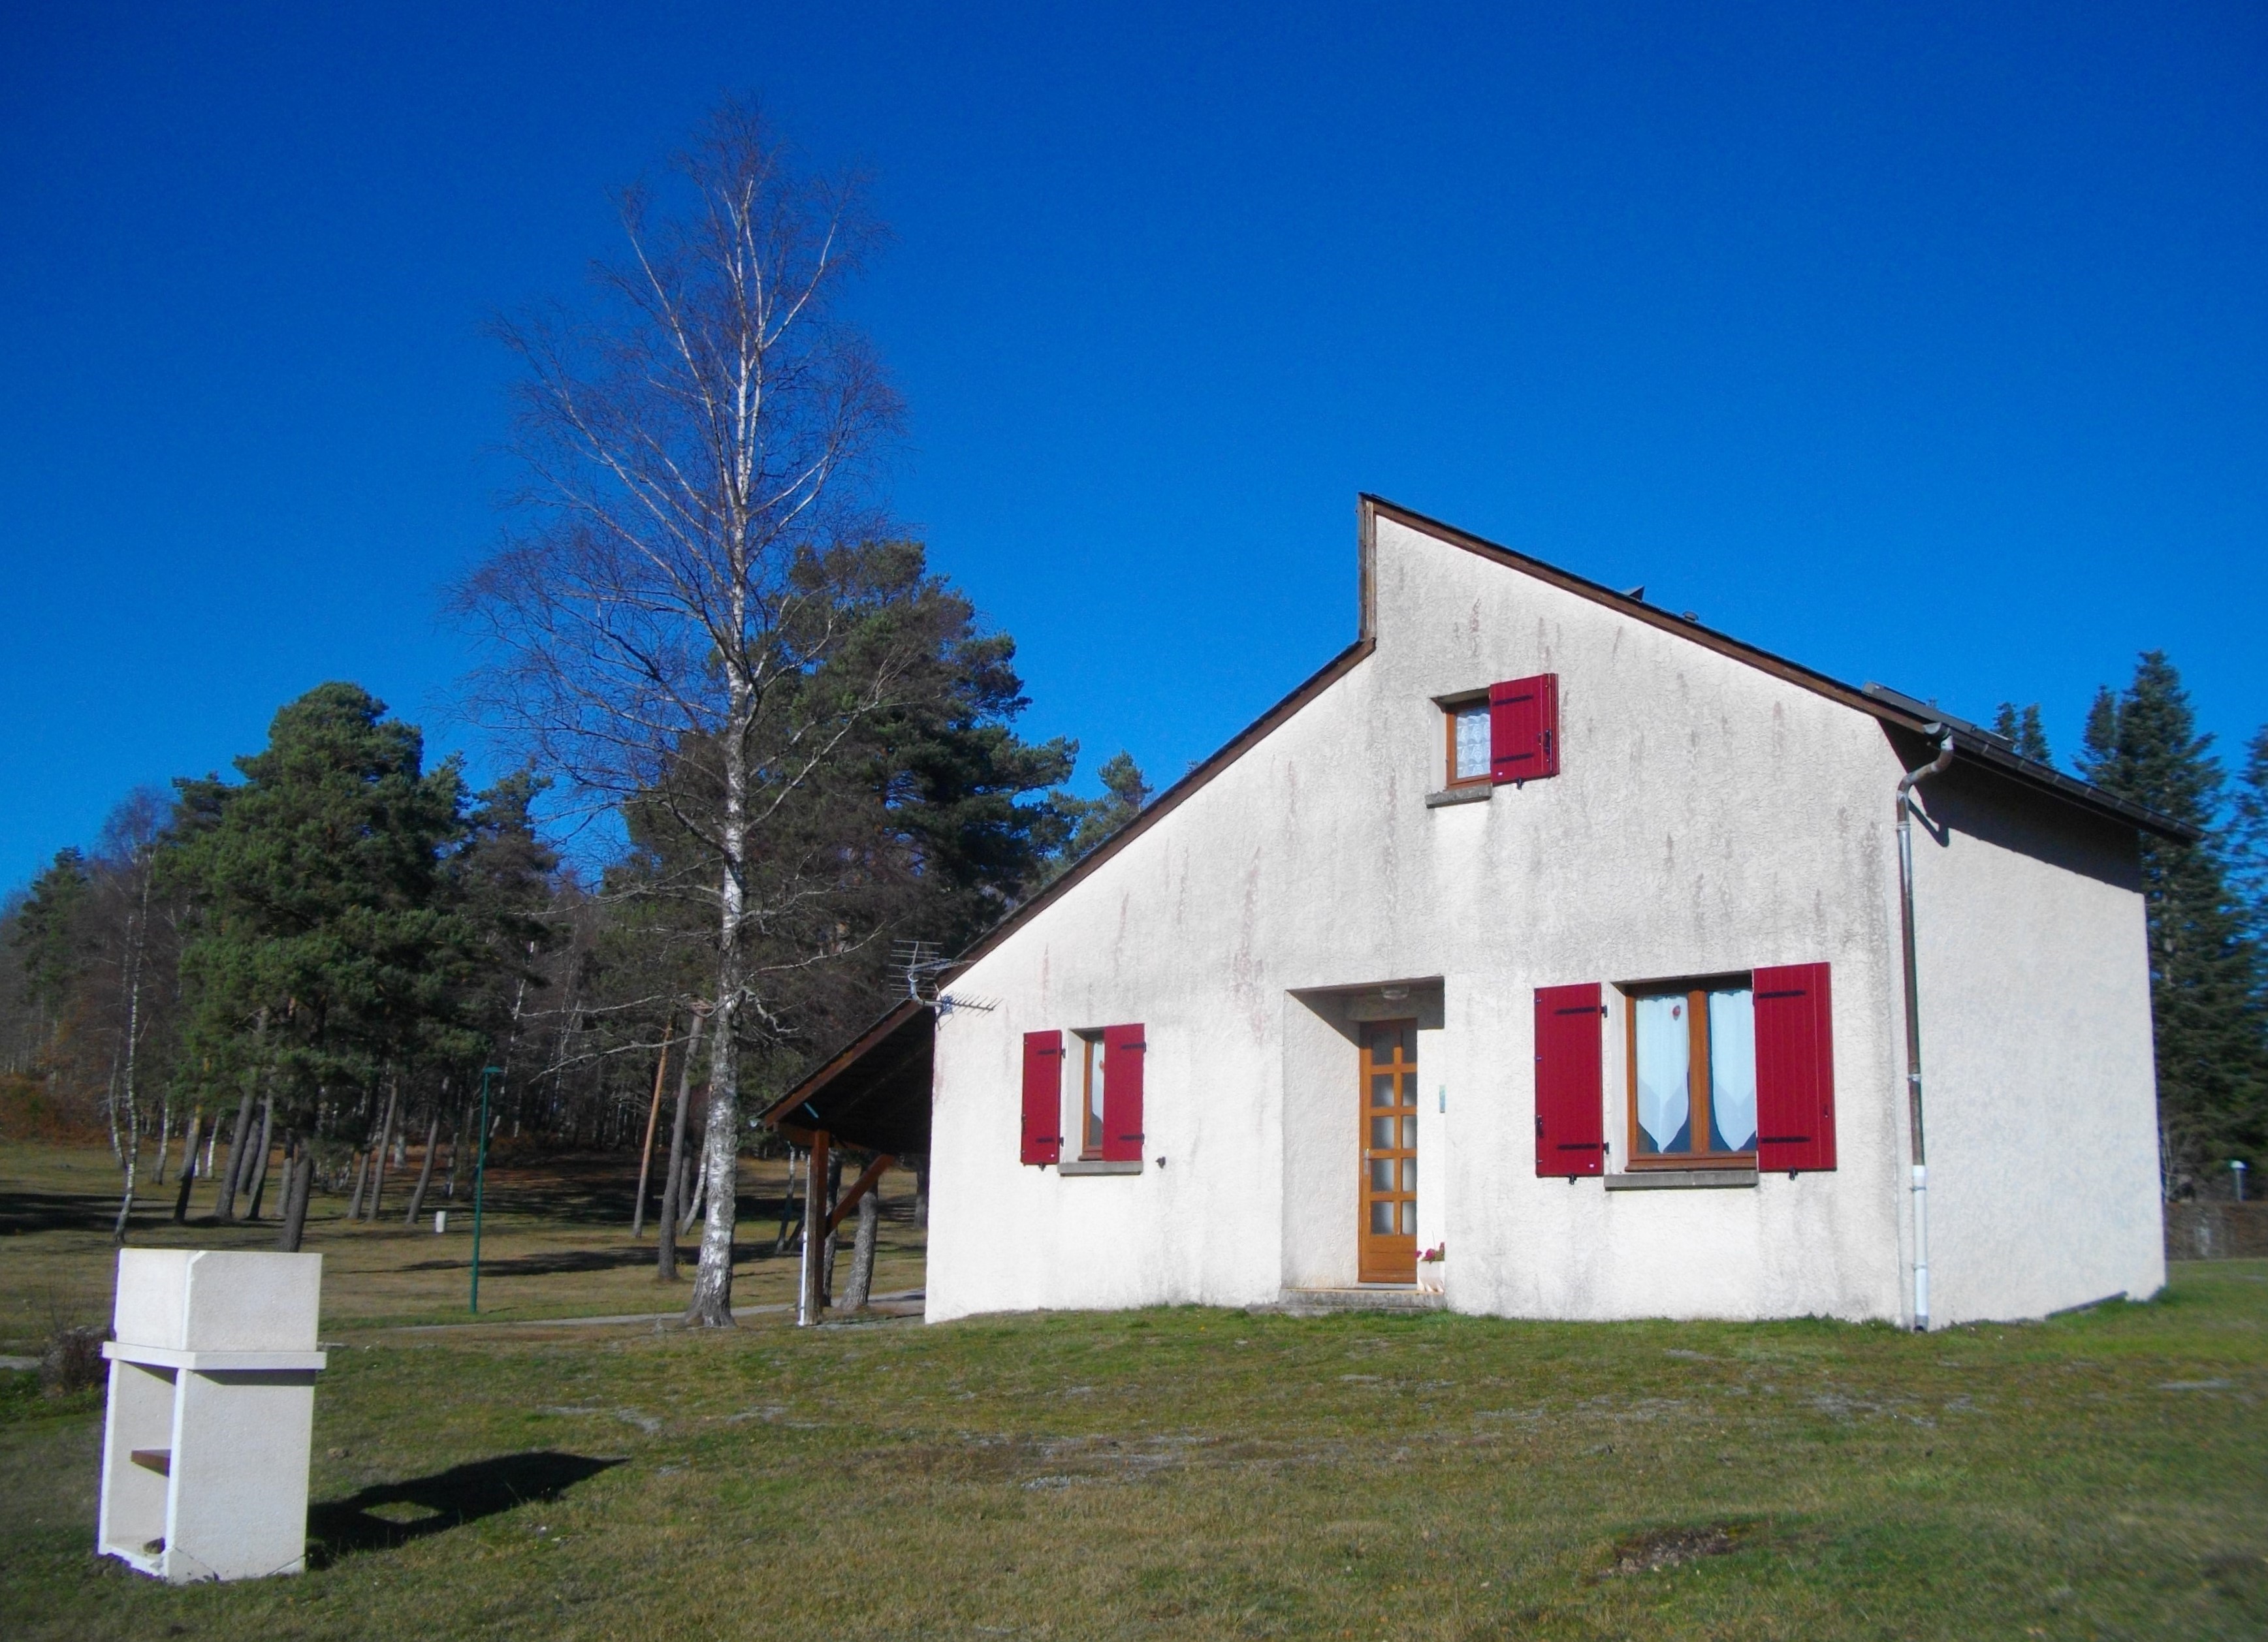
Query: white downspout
(1944, 737)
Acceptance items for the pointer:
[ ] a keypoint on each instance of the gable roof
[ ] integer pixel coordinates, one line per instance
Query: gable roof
(1920, 719)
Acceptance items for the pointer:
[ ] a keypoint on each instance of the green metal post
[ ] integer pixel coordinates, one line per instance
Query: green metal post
(480, 1179)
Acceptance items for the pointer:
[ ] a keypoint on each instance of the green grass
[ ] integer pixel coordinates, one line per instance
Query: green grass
(555, 1243)
(1190, 1473)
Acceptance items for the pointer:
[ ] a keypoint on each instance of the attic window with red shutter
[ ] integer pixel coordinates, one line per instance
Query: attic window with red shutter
(1466, 721)
(1524, 729)
(1507, 734)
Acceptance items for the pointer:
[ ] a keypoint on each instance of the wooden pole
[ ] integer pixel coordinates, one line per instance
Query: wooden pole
(806, 1296)
(653, 1118)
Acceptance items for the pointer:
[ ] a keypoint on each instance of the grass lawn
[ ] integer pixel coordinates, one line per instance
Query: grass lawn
(1191, 1473)
(555, 1242)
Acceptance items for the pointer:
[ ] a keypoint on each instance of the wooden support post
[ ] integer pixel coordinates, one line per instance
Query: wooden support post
(806, 1296)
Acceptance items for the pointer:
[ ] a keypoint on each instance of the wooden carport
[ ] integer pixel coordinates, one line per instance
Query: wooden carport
(873, 1094)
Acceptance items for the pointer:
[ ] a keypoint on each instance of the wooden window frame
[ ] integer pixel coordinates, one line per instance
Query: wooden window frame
(1451, 706)
(1091, 1125)
(1695, 991)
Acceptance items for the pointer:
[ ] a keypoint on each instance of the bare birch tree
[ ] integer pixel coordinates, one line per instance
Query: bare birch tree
(685, 616)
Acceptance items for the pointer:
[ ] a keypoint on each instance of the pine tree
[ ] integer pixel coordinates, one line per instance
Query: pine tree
(2024, 728)
(50, 937)
(2205, 970)
(1125, 794)
(2248, 842)
(329, 946)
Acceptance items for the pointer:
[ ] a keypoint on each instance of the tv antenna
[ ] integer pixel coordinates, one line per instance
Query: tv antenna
(921, 963)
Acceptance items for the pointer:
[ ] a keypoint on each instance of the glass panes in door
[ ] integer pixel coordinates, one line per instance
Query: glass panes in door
(1388, 1231)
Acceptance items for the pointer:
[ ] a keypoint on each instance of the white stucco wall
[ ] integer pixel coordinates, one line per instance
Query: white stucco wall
(1708, 817)
(2041, 1095)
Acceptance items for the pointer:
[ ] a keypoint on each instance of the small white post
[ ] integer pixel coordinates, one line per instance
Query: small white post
(440, 1221)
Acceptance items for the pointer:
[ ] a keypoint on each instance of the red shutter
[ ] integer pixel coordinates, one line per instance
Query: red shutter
(1043, 1097)
(1796, 1069)
(1570, 1132)
(1524, 729)
(1123, 1049)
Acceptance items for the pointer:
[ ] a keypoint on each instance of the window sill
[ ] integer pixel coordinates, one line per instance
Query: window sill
(1478, 793)
(1099, 1166)
(1673, 1180)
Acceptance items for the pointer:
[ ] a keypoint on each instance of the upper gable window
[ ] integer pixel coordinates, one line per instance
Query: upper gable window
(1467, 730)
(1507, 734)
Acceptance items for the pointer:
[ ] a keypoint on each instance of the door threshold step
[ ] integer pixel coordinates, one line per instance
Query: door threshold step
(1363, 1297)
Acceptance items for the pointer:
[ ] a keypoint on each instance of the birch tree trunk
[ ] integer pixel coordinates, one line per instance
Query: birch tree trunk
(110, 1111)
(133, 1161)
(137, 939)
(711, 1306)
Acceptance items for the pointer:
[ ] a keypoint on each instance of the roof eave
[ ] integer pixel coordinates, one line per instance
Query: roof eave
(780, 1113)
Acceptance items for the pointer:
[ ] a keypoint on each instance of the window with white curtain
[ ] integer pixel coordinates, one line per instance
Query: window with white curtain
(1468, 741)
(1692, 1062)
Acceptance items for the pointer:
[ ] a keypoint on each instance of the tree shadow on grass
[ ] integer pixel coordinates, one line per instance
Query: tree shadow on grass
(556, 1264)
(23, 1211)
(389, 1514)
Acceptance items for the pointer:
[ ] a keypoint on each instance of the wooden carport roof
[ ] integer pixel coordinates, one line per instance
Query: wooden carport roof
(875, 1094)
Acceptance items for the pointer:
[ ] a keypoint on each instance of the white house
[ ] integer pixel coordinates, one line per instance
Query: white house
(1560, 939)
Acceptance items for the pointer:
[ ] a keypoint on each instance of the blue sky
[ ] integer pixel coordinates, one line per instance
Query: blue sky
(1918, 344)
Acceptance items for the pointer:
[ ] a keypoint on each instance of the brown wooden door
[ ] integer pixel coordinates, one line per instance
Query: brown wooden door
(1389, 1151)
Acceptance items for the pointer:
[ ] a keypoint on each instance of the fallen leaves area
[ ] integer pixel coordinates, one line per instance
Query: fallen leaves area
(1190, 1473)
